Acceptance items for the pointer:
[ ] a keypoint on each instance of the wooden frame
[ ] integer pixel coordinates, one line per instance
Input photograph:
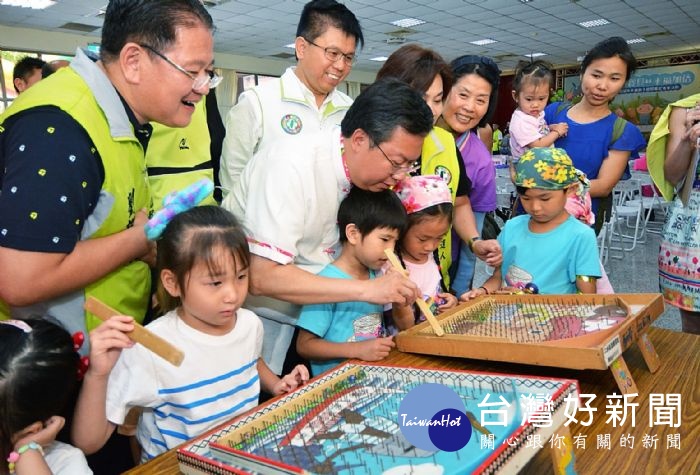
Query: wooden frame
(294, 421)
(600, 350)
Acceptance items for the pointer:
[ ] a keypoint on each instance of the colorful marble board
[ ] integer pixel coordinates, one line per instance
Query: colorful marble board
(346, 422)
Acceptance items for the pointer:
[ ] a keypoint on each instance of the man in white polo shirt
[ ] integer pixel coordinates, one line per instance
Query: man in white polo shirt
(288, 199)
(305, 99)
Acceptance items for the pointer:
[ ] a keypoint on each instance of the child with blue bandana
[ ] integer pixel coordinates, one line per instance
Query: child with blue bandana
(547, 250)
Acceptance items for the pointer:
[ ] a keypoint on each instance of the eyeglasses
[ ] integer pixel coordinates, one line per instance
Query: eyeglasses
(397, 169)
(334, 54)
(209, 79)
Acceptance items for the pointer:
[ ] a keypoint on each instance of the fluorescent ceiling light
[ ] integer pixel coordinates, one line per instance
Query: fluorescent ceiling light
(592, 23)
(34, 4)
(379, 58)
(407, 22)
(485, 41)
(535, 55)
(290, 45)
(636, 40)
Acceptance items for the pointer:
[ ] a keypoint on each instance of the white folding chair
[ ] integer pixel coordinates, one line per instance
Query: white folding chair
(625, 211)
(650, 204)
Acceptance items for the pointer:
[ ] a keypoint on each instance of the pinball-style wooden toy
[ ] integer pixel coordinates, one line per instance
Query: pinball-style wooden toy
(346, 421)
(565, 331)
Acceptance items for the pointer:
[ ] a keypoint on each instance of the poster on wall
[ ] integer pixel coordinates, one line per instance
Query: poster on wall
(648, 92)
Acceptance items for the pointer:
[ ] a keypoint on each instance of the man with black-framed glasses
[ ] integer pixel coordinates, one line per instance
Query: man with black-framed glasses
(305, 100)
(288, 197)
(74, 200)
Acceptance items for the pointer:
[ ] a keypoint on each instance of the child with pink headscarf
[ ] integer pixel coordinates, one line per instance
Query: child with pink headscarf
(428, 203)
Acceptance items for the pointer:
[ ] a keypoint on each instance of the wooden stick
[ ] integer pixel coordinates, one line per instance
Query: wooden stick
(140, 334)
(425, 310)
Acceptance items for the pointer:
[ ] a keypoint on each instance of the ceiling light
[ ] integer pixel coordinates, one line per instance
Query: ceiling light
(579, 58)
(592, 23)
(407, 22)
(535, 55)
(379, 58)
(636, 40)
(485, 41)
(34, 4)
(291, 45)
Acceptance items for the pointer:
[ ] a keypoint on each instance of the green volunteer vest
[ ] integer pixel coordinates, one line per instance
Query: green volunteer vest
(439, 157)
(127, 289)
(178, 157)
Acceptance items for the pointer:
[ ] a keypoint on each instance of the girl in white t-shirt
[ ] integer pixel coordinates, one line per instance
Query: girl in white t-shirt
(428, 203)
(528, 129)
(203, 264)
(38, 375)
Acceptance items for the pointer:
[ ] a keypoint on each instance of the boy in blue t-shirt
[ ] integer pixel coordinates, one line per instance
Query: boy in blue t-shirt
(369, 222)
(547, 250)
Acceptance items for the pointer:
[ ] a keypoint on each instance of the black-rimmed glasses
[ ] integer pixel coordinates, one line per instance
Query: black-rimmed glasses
(397, 169)
(334, 54)
(210, 78)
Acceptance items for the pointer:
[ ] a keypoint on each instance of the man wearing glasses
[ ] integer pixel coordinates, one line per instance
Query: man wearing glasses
(288, 197)
(305, 99)
(177, 157)
(74, 198)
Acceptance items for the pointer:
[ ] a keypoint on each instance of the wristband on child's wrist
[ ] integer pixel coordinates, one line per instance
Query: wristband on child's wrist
(486, 291)
(13, 458)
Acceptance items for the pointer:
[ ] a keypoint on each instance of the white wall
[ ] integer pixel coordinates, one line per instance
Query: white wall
(28, 39)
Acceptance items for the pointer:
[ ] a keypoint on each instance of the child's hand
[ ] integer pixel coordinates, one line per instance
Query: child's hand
(291, 381)
(448, 301)
(472, 294)
(561, 128)
(44, 436)
(374, 350)
(107, 342)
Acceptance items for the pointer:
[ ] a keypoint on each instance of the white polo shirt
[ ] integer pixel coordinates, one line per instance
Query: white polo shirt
(287, 199)
(276, 109)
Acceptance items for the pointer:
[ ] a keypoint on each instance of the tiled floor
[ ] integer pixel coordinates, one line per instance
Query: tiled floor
(636, 272)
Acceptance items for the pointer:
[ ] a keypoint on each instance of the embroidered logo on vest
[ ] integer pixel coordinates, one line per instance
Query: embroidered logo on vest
(183, 144)
(444, 173)
(291, 123)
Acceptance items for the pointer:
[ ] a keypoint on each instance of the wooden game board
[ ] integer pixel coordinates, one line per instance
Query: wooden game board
(346, 422)
(566, 331)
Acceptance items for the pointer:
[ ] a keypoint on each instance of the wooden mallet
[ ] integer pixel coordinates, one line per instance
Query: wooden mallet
(425, 310)
(140, 334)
